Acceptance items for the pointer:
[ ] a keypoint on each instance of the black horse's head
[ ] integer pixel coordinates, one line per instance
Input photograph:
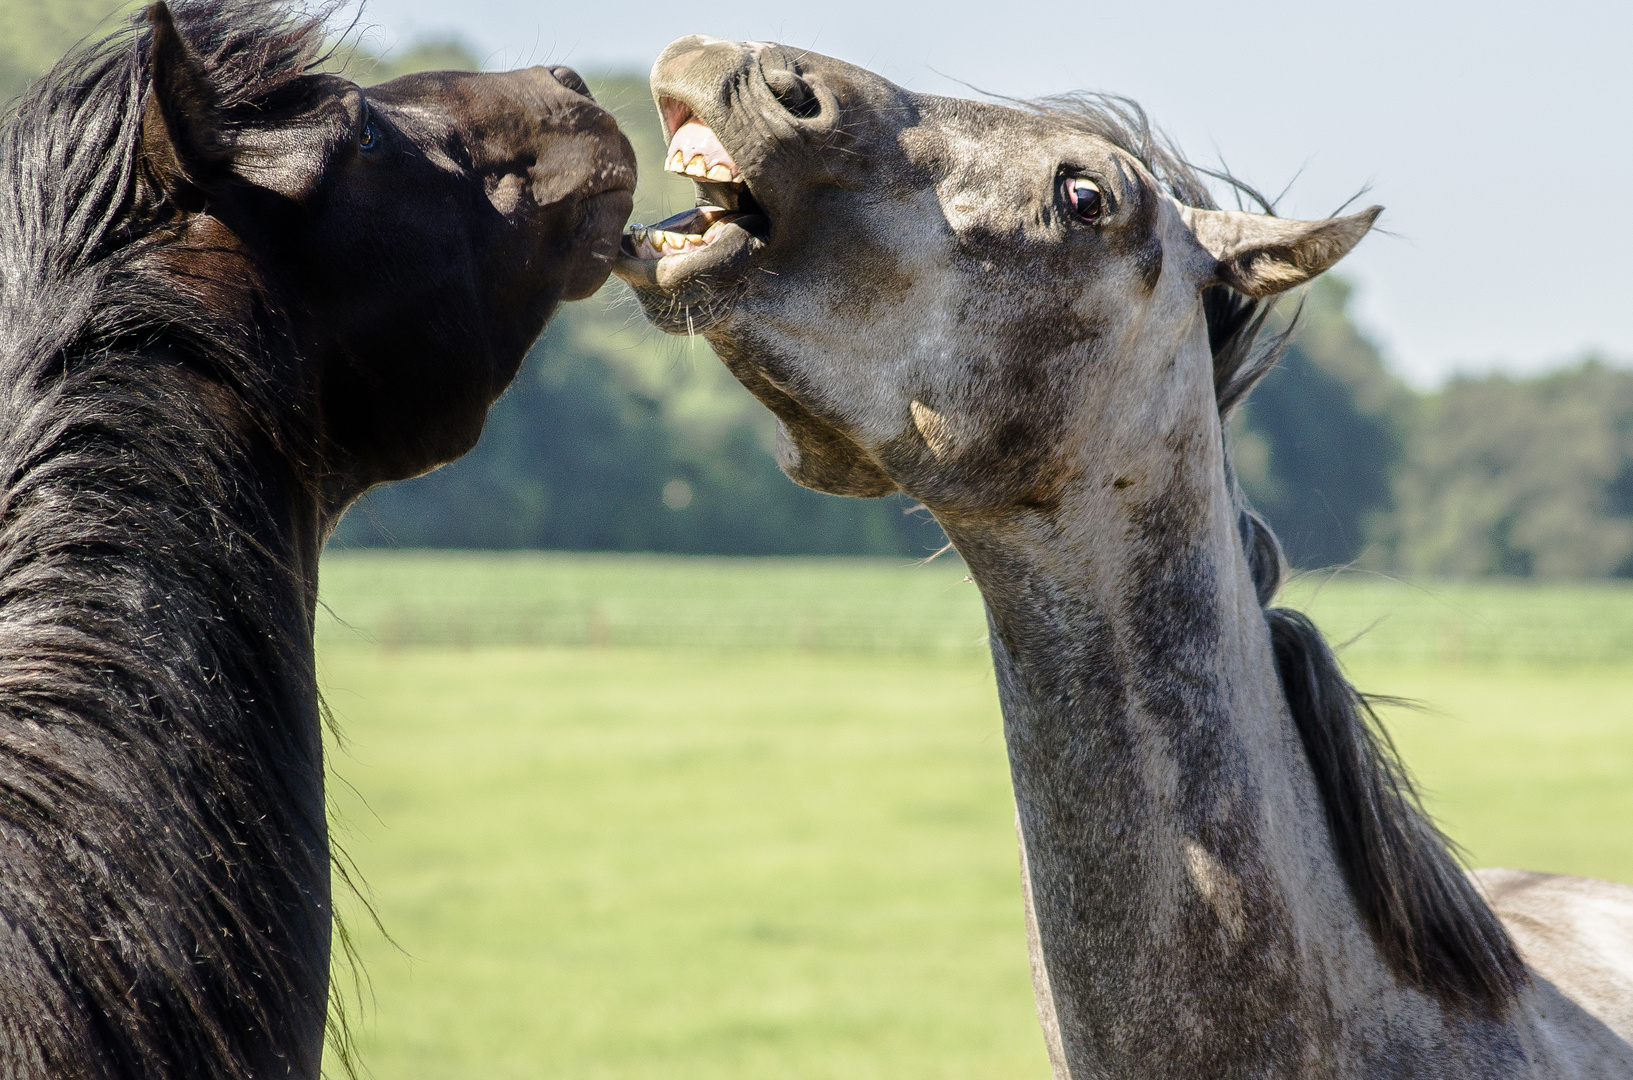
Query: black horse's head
(234, 292)
(412, 237)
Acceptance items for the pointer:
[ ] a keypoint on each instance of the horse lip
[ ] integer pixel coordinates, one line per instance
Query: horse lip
(729, 254)
(674, 113)
(732, 251)
(611, 181)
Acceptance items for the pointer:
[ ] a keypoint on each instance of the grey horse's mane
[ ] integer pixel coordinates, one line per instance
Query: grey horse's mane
(1433, 927)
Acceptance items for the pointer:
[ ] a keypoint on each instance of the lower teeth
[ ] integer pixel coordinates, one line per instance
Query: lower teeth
(655, 244)
(651, 242)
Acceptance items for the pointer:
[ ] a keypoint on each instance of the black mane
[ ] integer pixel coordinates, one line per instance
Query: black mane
(1430, 923)
(163, 874)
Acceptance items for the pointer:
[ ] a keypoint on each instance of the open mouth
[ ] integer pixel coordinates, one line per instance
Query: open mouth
(726, 214)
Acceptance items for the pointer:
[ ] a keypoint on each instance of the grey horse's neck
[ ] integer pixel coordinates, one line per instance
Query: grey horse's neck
(1191, 917)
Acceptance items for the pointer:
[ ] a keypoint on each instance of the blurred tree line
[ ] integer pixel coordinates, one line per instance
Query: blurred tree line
(1488, 475)
(617, 438)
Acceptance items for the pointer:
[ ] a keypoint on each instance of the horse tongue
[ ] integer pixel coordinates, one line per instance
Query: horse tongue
(696, 151)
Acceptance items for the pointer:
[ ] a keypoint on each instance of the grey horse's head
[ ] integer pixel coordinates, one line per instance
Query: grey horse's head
(974, 303)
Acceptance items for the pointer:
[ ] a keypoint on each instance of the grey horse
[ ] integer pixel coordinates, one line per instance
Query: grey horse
(1034, 320)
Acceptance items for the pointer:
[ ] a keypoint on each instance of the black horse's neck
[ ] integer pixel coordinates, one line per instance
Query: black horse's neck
(163, 853)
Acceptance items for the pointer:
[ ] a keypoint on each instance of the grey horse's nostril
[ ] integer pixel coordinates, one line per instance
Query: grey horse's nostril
(793, 92)
(571, 79)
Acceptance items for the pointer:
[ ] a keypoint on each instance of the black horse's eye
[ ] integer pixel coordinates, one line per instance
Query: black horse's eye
(1085, 197)
(370, 137)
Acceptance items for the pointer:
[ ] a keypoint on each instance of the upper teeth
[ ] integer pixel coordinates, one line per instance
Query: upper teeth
(699, 168)
(695, 151)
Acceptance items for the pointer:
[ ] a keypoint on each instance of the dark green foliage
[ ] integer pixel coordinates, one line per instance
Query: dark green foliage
(1318, 439)
(1529, 477)
(1525, 477)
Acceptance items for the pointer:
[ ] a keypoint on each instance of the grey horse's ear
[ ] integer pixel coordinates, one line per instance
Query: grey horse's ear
(180, 141)
(1261, 255)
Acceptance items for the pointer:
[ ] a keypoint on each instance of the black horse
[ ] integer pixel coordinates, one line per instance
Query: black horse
(234, 293)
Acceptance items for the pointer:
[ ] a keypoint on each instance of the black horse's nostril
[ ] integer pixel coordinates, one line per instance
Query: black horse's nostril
(793, 92)
(571, 79)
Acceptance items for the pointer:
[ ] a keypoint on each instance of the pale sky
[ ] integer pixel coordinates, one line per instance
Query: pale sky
(1495, 133)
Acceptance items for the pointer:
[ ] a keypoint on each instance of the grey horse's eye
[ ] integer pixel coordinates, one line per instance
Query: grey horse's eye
(1084, 195)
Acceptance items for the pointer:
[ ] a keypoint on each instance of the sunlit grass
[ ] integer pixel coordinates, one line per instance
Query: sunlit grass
(899, 606)
(647, 864)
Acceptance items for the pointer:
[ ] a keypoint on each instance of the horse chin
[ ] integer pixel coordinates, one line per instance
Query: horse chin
(601, 224)
(694, 290)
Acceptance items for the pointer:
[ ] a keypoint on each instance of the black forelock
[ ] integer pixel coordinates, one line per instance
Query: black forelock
(68, 149)
(73, 280)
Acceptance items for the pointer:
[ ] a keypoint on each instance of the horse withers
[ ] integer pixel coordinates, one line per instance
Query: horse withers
(1035, 321)
(235, 292)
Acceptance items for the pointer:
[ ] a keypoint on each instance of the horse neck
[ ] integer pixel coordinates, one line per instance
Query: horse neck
(1191, 917)
(157, 590)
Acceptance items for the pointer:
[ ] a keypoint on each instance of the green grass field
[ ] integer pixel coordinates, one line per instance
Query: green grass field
(643, 817)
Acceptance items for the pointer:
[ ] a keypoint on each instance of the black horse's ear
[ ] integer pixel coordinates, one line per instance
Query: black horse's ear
(181, 143)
